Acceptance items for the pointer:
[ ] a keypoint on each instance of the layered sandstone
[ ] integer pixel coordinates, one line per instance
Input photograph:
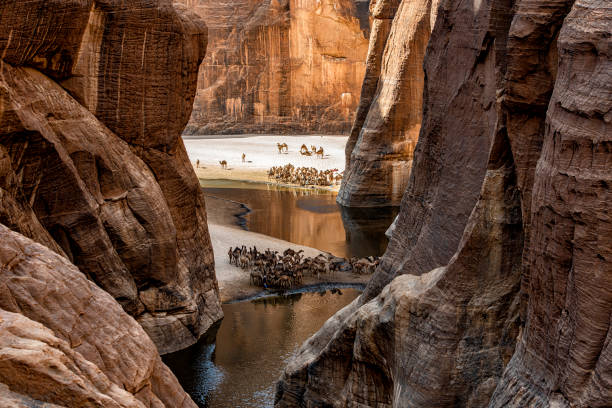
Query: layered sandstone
(93, 98)
(504, 296)
(386, 129)
(65, 341)
(281, 66)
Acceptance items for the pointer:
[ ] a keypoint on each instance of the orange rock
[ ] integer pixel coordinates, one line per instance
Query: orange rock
(285, 66)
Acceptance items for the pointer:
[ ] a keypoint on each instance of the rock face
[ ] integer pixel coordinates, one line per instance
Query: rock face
(495, 290)
(65, 341)
(386, 129)
(280, 66)
(93, 98)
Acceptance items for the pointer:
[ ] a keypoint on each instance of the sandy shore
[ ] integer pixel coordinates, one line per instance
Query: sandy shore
(234, 283)
(261, 154)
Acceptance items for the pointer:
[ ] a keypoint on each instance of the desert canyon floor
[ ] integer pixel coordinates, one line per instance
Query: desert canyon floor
(223, 215)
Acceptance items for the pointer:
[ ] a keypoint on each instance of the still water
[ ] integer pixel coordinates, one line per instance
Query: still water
(308, 217)
(239, 366)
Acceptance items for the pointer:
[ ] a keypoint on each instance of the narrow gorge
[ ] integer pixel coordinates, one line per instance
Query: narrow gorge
(166, 163)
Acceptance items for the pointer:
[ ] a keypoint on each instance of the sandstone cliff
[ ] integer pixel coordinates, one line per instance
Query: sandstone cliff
(504, 236)
(93, 98)
(382, 141)
(65, 341)
(280, 66)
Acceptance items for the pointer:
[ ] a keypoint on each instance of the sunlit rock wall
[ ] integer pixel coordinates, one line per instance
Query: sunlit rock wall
(94, 96)
(495, 289)
(280, 66)
(386, 129)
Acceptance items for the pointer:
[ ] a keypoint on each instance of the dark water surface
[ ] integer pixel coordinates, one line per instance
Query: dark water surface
(239, 366)
(308, 217)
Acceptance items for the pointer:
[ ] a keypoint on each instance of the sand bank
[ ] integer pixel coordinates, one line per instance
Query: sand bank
(261, 154)
(234, 283)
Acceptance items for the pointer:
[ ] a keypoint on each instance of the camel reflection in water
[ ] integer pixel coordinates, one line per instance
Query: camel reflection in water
(309, 217)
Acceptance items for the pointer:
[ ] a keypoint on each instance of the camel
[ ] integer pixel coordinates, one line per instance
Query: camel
(256, 278)
(283, 271)
(223, 164)
(282, 147)
(320, 152)
(284, 282)
(303, 148)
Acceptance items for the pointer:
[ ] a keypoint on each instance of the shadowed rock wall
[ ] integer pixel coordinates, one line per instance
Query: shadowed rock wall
(503, 239)
(382, 141)
(93, 98)
(280, 66)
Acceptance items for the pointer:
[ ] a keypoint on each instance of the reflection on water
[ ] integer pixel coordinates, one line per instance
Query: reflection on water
(308, 217)
(253, 344)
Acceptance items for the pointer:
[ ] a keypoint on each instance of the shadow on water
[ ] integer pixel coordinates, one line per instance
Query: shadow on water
(307, 217)
(239, 361)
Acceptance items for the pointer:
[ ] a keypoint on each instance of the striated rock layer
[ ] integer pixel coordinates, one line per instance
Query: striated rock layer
(93, 99)
(504, 236)
(64, 341)
(385, 132)
(280, 66)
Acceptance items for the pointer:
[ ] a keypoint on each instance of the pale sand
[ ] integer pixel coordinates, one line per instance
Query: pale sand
(234, 283)
(261, 154)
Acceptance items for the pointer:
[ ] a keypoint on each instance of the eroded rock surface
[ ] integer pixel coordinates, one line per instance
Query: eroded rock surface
(65, 341)
(94, 96)
(281, 66)
(505, 295)
(564, 355)
(386, 129)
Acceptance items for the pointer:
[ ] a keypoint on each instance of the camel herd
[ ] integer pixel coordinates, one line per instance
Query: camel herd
(282, 148)
(319, 152)
(271, 269)
(304, 176)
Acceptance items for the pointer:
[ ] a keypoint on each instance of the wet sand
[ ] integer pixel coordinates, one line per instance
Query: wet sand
(234, 283)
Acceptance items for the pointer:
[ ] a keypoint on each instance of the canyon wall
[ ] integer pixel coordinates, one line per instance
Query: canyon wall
(94, 96)
(280, 66)
(385, 132)
(495, 289)
(65, 341)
